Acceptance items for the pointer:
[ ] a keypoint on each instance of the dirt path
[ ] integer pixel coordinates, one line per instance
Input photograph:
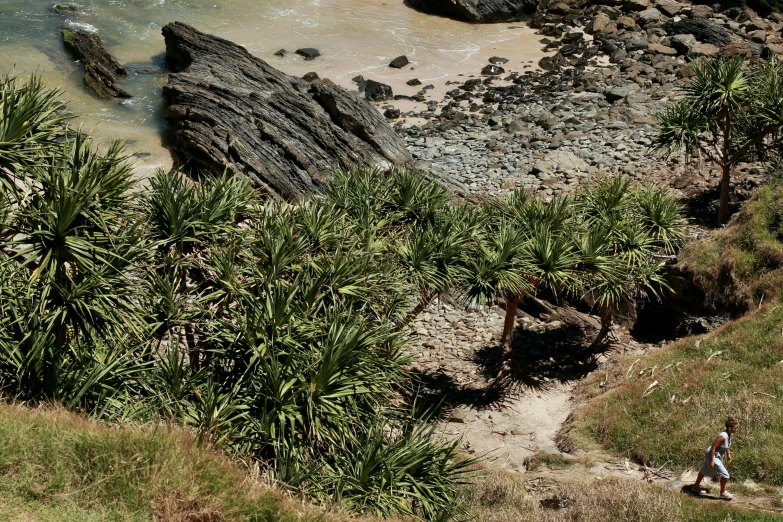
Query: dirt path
(456, 356)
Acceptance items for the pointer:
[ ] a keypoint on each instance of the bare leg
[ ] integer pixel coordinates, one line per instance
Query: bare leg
(699, 478)
(723, 482)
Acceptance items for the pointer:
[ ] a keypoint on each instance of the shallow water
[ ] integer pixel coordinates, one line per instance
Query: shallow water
(354, 36)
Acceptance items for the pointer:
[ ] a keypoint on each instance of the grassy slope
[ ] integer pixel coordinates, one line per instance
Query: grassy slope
(740, 265)
(673, 422)
(55, 466)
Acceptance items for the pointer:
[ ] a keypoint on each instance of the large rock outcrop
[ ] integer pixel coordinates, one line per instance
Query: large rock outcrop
(231, 110)
(478, 11)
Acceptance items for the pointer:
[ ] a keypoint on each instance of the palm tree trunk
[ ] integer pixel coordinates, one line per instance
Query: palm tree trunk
(607, 320)
(723, 213)
(509, 323)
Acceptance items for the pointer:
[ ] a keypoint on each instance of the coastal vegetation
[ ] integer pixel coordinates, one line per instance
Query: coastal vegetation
(729, 111)
(274, 331)
(680, 390)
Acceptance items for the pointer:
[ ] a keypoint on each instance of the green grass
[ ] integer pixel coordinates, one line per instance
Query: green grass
(55, 466)
(547, 460)
(673, 422)
(740, 266)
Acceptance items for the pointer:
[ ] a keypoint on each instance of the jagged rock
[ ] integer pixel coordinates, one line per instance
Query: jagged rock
(413, 82)
(478, 11)
(399, 62)
(232, 111)
(377, 91)
(704, 30)
(101, 70)
(281, 52)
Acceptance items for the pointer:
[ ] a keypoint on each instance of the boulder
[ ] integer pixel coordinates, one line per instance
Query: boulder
(413, 82)
(310, 77)
(229, 110)
(498, 60)
(661, 49)
(737, 49)
(704, 30)
(636, 5)
(649, 16)
(399, 62)
(377, 91)
(478, 11)
(759, 36)
(560, 161)
(669, 8)
(309, 53)
(626, 22)
(683, 42)
(620, 93)
(101, 70)
(492, 70)
(599, 24)
(703, 50)
(702, 11)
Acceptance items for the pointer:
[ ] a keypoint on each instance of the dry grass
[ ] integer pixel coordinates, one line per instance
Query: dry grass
(741, 265)
(503, 497)
(57, 466)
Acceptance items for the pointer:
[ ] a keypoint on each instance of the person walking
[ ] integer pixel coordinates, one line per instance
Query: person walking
(713, 459)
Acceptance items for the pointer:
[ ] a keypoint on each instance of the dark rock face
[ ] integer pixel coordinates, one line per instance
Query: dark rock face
(478, 11)
(705, 31)
(101, 70)
(231, 110)
(377, 91)
(399, 62)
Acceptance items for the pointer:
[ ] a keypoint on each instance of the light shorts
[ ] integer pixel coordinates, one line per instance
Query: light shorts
(718, 471)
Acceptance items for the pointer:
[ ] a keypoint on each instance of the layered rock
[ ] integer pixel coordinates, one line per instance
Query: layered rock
(101, 70)
(232, 111)
(478, 11)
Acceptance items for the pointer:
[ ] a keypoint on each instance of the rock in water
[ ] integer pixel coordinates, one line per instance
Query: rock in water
(309, 53)
(101, 70)
(399, 62)
(377, 91)
(231, 110)
(478, 11)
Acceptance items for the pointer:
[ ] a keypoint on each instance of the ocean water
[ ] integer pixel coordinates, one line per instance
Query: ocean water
(355, 37)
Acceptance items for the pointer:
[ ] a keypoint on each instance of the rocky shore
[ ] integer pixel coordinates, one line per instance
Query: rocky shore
(589, 107)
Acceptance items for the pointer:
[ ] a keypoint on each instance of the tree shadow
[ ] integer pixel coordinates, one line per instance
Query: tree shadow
(547, 358)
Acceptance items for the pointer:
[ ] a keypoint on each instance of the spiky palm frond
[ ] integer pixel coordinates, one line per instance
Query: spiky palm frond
(31, 120)
(662, 217)
(680, 127)
(718, 84)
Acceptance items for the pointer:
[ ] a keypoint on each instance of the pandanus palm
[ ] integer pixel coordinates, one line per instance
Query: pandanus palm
(727, 110)
(527, 245)
(625, 231)
(70, 242)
